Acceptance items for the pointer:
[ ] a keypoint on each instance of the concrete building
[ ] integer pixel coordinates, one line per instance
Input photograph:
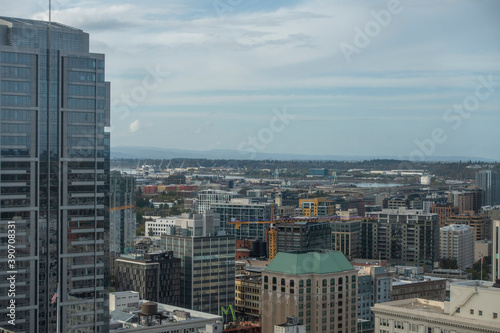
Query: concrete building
(495, 261)
(319, 288)
(317, 207)
(155, 276)
(482, 249)
(468, 201)
(457, 242)
(207, 264)
(303, 236)
(443, 211)
(248, 297)
(150, 317)
(481, 223)
(192, 224)
(123, 300)
(291, 326)
(208, 197)
(122, 217)
(54, 162)
(374, 286)
(471, 308)
(244, 209)
(287, 198)
(160, 226)
(410, 282)
(489, 182)
(346, 237)
(404, 237)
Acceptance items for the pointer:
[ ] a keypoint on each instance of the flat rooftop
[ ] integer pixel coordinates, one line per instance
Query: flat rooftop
(421, 305)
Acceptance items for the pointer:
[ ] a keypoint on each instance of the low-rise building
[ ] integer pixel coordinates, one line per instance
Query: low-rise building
(150, 317)
(123, 300)
(291, 326)
(156, 276)
(409, 282)
(248, 296)
(471, 308)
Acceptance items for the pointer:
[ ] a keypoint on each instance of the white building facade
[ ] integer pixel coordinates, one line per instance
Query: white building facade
(457, 242)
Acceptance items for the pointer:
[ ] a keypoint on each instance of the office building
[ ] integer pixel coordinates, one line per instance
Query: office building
(489, 182)
(471, 308)
(346, 237)
(457, 242)
(404, 237)
(155, 276)
(303, 236)
(207, 263)
(495, 261)
(122, 217)
(244, 209)
(374, 286)
(54, 169)
(319, 288)
(208, 197)
(317, 207)
(186, 224)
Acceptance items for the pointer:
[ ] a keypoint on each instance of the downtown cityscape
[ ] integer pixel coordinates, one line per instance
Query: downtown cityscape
(244, 166)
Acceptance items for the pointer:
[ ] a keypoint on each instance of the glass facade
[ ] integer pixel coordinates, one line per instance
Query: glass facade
(54, 171)
(122, 218)
(207, 271)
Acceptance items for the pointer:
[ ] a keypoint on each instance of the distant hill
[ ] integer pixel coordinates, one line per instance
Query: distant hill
(167, 153)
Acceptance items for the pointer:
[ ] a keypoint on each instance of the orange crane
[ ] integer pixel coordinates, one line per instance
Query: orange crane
(272, 233)
(114, 209)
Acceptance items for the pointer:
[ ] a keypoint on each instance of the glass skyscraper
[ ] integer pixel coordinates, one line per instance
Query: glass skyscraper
(54, 169)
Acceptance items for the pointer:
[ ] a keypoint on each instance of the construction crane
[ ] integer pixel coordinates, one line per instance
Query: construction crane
(272, 236)
(272, 233)
(114, 209)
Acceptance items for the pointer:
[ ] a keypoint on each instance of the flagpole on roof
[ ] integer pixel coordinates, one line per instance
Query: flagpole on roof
(58, 308)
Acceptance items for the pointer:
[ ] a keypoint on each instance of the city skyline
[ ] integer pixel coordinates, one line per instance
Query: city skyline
(212, 75)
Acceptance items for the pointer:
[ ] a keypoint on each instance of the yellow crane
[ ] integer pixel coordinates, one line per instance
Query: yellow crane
(272, 233)
(114, 209)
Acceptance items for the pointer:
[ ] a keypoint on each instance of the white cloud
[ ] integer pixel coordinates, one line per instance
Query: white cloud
(134, 126)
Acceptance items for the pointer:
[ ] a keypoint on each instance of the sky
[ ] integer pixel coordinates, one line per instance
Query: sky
(408, 78)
